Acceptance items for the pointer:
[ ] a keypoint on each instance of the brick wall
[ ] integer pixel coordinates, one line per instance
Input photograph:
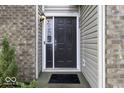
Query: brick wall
(19, 23)
(115, 46)
(39, 39)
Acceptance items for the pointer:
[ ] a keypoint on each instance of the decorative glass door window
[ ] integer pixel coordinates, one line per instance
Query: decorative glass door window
(49, 29)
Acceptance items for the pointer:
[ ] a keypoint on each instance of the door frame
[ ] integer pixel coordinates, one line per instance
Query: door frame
(77, 69)
(101, 46)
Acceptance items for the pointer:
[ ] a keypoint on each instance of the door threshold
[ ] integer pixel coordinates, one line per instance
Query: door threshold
(61, 70)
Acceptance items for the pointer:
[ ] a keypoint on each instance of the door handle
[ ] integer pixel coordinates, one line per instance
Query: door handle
(55, 42)
(44, 42)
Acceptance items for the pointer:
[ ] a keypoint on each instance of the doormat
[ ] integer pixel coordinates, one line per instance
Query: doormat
(64, 78)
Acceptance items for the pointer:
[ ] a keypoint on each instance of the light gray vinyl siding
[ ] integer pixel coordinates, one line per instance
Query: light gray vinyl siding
(88, 37)
(61, 9)
(39, 40)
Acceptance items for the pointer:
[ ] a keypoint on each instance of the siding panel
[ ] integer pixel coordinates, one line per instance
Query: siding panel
(88, 35)
(91, 46)
(61, 9)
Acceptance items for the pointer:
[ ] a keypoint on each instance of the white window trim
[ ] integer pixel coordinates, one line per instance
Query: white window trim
(44, 69)
(101, 46)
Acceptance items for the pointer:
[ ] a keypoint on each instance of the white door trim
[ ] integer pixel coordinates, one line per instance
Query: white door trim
(44, 69)
(101, 46)
(53, 45)
(43, 46)
(62, 14)
(36, 65)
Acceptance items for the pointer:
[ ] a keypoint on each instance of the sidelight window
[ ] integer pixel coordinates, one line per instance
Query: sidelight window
(49, 29)
(49, 42)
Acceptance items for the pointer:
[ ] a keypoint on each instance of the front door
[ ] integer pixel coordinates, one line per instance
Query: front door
(64, 43)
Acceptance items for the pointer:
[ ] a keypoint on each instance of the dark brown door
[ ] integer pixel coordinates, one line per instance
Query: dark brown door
(65, 42)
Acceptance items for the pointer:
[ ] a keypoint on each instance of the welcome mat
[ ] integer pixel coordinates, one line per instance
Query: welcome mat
(64, 78)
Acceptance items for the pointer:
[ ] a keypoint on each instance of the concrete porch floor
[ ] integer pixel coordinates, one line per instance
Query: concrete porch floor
(45, 76)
